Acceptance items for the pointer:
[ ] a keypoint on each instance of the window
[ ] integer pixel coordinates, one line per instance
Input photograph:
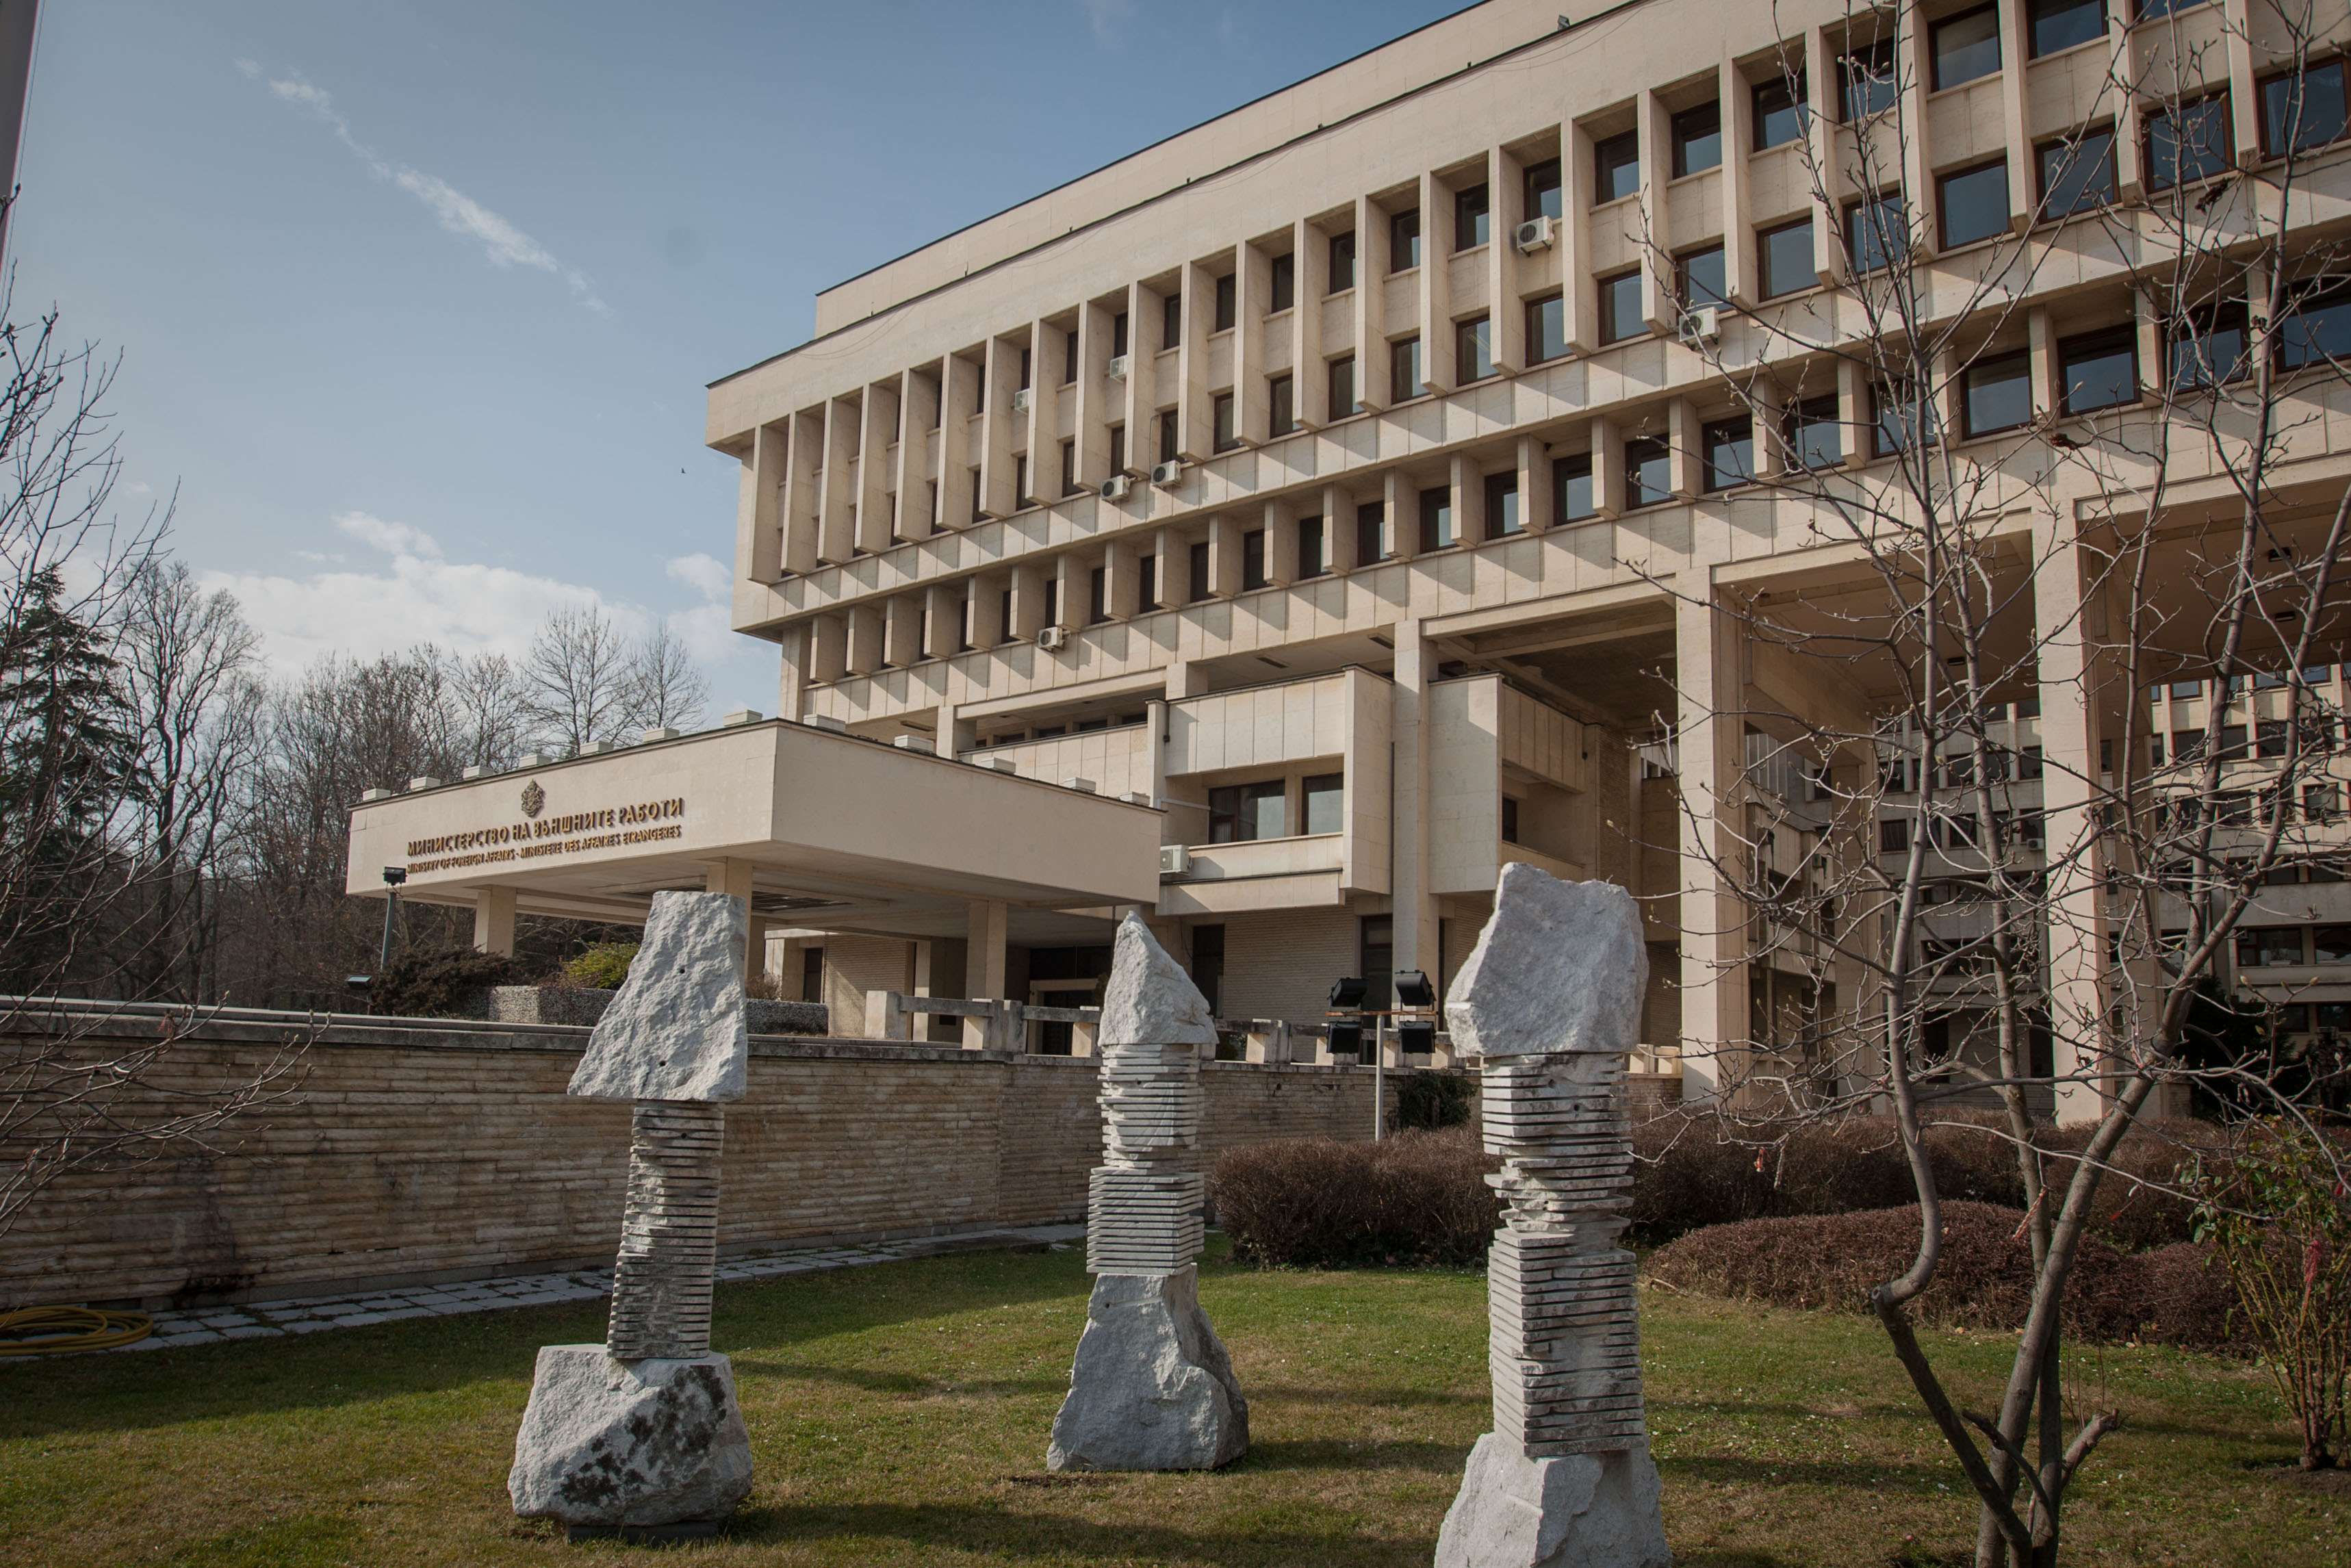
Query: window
(1069, 468)
(1619, 307)
(1198, 561)
(1024, 369)
(1052, 606)
(1403, 370)
(1502, 519)
(1905, 419)
(1974, 204)
(1404, 241)
(1146, 582)
(1729, 453)
(1472, 218)
(2187, 144)
(1616, 168)
(2302, 111)
(2266, 946)
(1786, 253)
(2330, 945)
(1543, 199)
(1170, 450)
(1171, 321)
(2316, 328)
(1473, 350)
(1437, 518)
(1648, 473)
(1253, 559)
(1371, 532)
(2268, 737)
(1068, 357)
(2077, 175)
(1239, 812)
(1313, 559)
(2100, 370)
(1865, 80)
(1325, 796)
(1997, 394)
(1117, 337)
(1894, 836)
(1965, 46)
(1020, 497)
(2150, 9)
(2056, 25)
(1282, 411)
(1876, 232)
(1570, 482)
(1697, 140)
(1378, 958)
(2209, 346)
(1699, 277)
(2321, 803)
(1343, 262)
(1118, 449)
(1509, 820)
(1546, 330)
(1781, 115)
(1097, 596)
(1228, 302)
(1815, 435)
(1342, 388)
(1226, 437)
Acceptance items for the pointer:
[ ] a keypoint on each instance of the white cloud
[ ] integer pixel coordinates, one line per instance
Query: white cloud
(708, 629)
(392, 539)
(1105, 15)
(502, 242)
(707, 575)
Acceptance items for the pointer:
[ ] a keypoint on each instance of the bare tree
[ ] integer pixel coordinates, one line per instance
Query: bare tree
(489, 705)
(1960, 865)
(580, 681)
(667, 692)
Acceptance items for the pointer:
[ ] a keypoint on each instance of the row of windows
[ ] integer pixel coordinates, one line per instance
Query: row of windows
(2189, 689)
(1238, 813)
(2273, 946)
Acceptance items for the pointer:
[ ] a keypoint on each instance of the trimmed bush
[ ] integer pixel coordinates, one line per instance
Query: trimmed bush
(1983, 1279)
(1432, 1100)
(603, 966)
(438, 982)
(1417, 1199)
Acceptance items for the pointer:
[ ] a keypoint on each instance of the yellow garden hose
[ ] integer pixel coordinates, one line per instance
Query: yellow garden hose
(56, 1330)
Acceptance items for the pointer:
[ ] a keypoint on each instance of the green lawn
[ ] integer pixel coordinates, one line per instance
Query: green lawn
(899, 1414)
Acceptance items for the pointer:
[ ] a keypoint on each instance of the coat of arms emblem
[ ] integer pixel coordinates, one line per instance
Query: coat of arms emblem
(534, 799)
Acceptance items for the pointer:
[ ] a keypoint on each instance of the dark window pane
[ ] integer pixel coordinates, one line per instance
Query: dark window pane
(1966, 47)
(1546, 329)
(2316, 329)
(1171, 321)
(1343, 261)
(2209, 347)
(1473, 350)
(1729, 453)
(1867, 82)
(2100, 370)
(1198, 561)
(1618, 168)
(1781, 112)
(1284, 283)
(1904, 418)
(1787, 257)
(2062, 24)
(1370, 533)
(1542, 190)
(1502, 517)
(1620, 308)
(1226, 438)
(2188, 144)
(1326, 796)
(1117, 338)
(1701, 276)
(2299, 112)
(1997, 394)
(1876, 232)
(1975, 204)
(1281, 413)
(1697, 140)
(1437, 518)
(2078, 175)
(1403, 370)
(1815, 435)
(2152, 8)
(1472, 218)
(1253, 559)
(1648, 473)
(1228, 294)
(1404, 241)
(1572, 488)
(1240, 813)
(1343, 387)
(1312, 561)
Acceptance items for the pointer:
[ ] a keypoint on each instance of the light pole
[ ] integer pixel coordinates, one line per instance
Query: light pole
(392, 878)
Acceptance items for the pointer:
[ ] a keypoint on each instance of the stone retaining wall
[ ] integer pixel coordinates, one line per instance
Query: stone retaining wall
(417, 1151)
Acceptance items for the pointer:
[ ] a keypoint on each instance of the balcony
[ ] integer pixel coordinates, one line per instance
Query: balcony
(1300, 871)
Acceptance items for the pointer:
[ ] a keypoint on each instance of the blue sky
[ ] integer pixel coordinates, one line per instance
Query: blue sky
(416, 302)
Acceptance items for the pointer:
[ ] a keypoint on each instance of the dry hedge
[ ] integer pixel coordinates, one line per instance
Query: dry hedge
(1984, 1280)
(1419, 1197)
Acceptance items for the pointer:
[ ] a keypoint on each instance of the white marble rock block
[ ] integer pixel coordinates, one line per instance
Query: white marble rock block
(1152, 1388)
(606, 1442)
(1551, 999)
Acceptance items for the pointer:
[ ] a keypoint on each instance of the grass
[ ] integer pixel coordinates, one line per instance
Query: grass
(899, 1413)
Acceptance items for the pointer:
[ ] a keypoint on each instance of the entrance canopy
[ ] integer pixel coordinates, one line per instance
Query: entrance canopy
(816, 827)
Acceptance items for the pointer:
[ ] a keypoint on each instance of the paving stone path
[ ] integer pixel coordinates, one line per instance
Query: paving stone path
(311, 1314)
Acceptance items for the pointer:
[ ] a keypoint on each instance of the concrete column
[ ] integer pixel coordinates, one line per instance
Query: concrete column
(796, 507)
(1737, 215)
(1469, 485)
(2015, 124)
(1094, 388)
(2040, 344)
(1224, 555)
(1684, 435)
(1252, 288)
(759, 516)
(945, 604)
(864, 652)
(1280, 543)
(996, 423)
(1821, 88)
(1154, 717)
(1043, 437)
(1917, 171)
(1371, 295)
(836, 486)
(1658, 307)
(988, 620)
(2067, 677)
(902, 635)
(791, 681)
(2244, 103)
(828, 648)
(1535, 495)
(494, 921)
(1401, 498)
(1415, 917)
(1506, 198)
(916, 469)
(1607, 468)
(1437, 369)
(734, 877)
(1309, 386)
(1580, 299)
(875, 526)
(958, 392)
(1339, 528)
(1195, 417)
(984, 965)
(1710, 740)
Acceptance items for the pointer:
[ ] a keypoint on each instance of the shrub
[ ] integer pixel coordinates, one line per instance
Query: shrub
(436, 982)
(1983, 1279)
(1419, 1197)
(1432, 1100)
(605, 966)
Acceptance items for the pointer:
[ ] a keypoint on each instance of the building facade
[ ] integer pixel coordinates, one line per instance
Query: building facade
(1326, 504)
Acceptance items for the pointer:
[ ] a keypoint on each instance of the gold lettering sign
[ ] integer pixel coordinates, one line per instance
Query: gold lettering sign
(569, 833)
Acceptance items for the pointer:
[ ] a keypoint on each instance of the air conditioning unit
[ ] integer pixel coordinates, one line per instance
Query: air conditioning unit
(1118, 368)
(1175, 860)
(1116, 486)
(1021, 401)
(1701, 324)
(1534, 235)
(1167, 472)
(1052, 639)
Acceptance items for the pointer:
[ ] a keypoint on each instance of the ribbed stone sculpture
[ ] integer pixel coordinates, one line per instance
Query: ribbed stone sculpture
(1152, 1388)
(642, 1433)
(1551, 999)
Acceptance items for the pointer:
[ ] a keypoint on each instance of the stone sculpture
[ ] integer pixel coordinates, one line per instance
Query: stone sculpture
(1551, 999)
(642, 1433)
(1152, 1388)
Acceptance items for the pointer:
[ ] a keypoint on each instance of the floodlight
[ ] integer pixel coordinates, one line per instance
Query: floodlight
(1346, 1039)
(1413, 989)
(1415, 1039)
(393, 876)
(1348, 992)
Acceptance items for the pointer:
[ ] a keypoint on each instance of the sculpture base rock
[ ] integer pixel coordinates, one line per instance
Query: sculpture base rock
(1581, 1510)
(606, 1443)
(1153, 1389)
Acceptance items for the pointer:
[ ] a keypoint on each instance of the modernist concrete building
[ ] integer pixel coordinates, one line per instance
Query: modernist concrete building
(1280, 527)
